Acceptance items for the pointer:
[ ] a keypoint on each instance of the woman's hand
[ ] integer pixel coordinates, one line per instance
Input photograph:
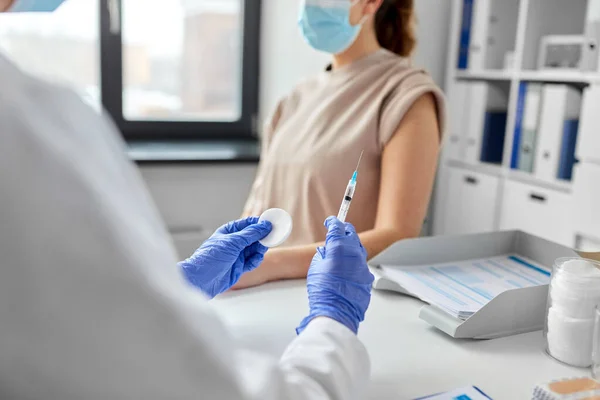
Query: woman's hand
(230, 252)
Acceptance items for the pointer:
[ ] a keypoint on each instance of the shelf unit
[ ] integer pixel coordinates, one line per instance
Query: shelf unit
(484, 75)
(526, 23)
(556, 77)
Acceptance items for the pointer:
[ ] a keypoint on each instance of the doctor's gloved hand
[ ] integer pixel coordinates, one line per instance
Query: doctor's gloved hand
(339, 281)
(230, 252)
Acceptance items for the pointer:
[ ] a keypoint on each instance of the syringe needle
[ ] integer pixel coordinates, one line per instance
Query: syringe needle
(359, 160)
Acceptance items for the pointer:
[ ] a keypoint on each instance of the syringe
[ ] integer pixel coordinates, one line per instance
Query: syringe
(349, 193)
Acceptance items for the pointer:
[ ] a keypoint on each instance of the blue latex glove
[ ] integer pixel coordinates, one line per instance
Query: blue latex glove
(339, 281)
(230, 252)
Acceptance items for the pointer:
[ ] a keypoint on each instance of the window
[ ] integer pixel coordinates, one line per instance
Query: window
(181, 68)
(177, 69)
(188, 69)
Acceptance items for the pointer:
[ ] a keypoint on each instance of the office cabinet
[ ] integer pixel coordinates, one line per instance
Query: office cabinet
(470, 202)
(542, 212)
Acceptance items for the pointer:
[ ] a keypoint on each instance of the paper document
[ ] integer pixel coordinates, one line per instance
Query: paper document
(468, 393)
(462, 288)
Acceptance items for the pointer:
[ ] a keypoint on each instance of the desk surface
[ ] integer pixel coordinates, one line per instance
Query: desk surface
(409, 358)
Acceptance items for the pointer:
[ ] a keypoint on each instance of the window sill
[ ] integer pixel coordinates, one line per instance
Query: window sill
(241, 151)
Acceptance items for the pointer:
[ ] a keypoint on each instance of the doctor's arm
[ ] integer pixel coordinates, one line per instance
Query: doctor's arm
(408, 168)
(193, 355)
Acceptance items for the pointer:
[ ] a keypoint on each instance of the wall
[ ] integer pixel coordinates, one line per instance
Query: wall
(286, 59)
(195, 199)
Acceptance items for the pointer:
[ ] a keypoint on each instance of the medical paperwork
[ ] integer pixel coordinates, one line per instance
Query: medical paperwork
(463, 288)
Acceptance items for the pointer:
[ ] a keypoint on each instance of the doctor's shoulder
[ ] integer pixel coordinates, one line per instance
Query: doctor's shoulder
(31, 96)
(53, 114)
(26, 101)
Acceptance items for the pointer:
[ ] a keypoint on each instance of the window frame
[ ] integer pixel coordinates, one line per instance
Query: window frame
(111, 84)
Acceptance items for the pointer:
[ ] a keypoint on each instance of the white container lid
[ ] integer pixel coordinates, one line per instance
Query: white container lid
(577, 275)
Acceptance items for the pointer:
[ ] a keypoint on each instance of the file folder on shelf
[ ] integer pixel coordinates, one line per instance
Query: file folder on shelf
(458, 104)
(474, 34)
(512, 312)
(465, 34)
(475, 120)
(567, 152)
(514, 160)
(588, 139)
(529, 131)
(486, 33)
(492, 144)
(485, 126)
(479, 34)
(557, 132)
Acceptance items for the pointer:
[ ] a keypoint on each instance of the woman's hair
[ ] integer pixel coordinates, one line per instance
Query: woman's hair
(395, 26)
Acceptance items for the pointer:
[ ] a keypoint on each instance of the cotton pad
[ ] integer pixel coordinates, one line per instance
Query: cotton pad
(282, 227)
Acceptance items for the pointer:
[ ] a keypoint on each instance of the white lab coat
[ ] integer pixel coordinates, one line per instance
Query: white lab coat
(92, 304)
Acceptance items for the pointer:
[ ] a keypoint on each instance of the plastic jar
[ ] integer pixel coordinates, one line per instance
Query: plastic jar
(573, 296)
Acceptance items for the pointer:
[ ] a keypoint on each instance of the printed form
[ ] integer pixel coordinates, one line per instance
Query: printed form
(463, 288)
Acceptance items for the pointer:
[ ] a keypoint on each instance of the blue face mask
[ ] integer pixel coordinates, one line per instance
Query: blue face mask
(35, 5)
(325, 24)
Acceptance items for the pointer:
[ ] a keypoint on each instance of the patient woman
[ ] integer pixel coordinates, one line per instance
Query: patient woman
(370, 98)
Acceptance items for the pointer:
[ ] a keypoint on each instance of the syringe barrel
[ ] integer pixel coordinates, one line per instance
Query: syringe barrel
(346, 201)
(343, 210)
(350, 190)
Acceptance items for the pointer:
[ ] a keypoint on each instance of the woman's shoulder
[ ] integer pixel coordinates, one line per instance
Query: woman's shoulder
(404, 85)
(308, 86)
(397, 69)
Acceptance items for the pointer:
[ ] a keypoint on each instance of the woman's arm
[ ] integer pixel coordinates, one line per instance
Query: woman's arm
(408, 168)
(5, 5)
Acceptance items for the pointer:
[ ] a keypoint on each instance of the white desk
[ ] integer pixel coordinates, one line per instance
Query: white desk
(409, 358)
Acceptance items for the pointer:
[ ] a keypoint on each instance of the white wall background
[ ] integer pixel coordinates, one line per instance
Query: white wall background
(286, 59)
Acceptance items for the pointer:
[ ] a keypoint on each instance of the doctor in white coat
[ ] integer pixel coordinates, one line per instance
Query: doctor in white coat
(93, 304)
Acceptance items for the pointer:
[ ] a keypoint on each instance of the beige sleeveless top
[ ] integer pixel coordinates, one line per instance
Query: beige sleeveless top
(312, 143)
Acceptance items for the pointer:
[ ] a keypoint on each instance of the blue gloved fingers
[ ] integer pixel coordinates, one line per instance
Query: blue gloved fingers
(335, 229)
(319, 256)
(339, 281)
(255, 248)
(253, 262)
(238, 225)
(351, 234)
(253, 233)
(354, 238)
(333, 223)
(350, 229)
(321, 251)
